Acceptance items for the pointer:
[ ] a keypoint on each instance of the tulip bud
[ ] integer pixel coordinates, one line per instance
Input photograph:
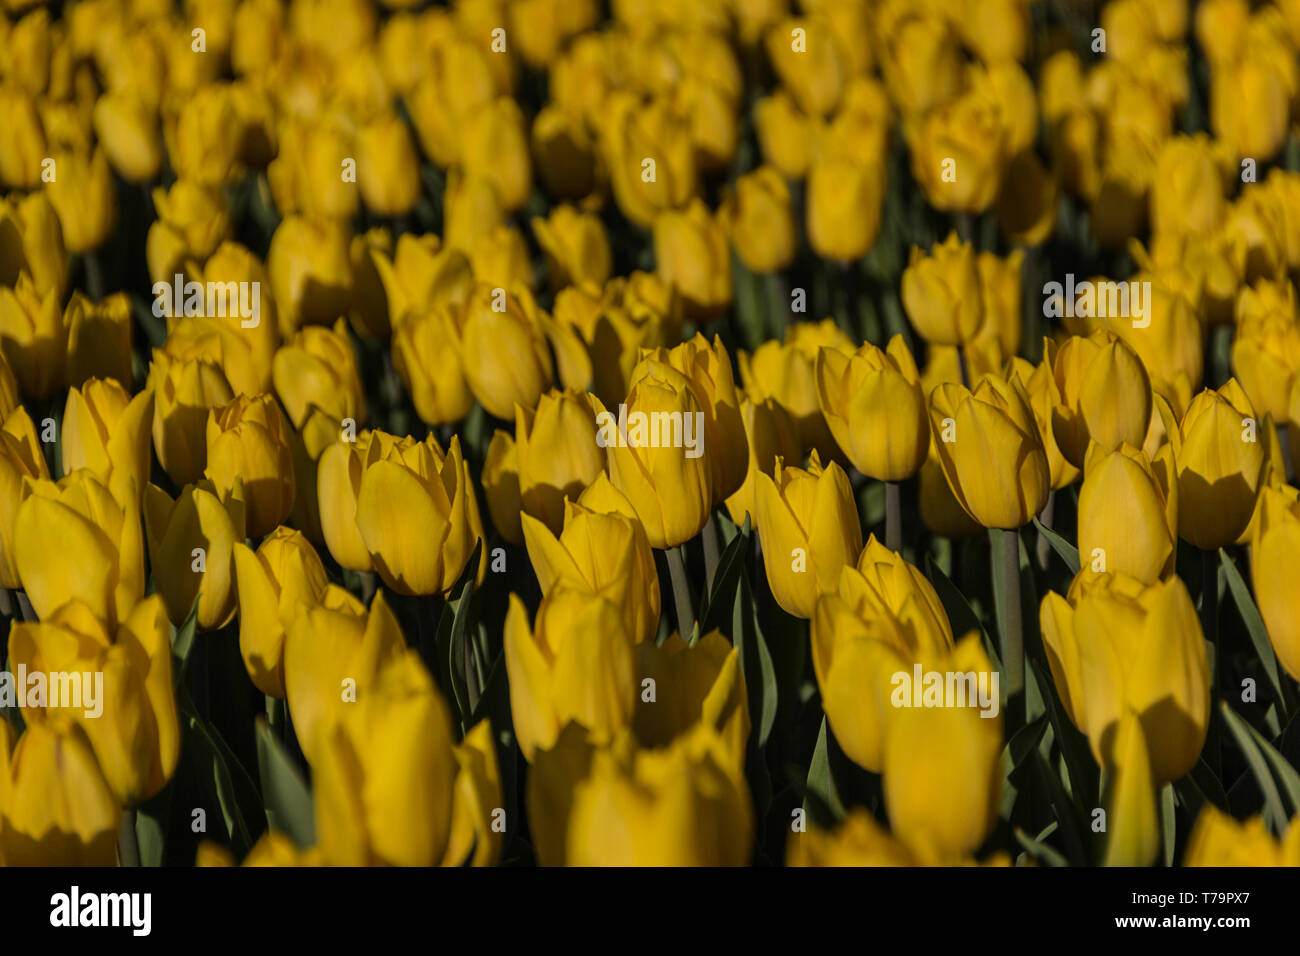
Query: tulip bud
(1128, 512)
(809, 531)
(503, 351)
(33, 337)
(759, 220)
(649, 156)
(192, 222)
(958, 154)
(388, 170)
(1266, 347)
(494, 142)
(99, 338)
(83, 196)
(843, 207)
(248, 440)
(31, 241)
(1187, 187)
(23, 145)
(771, 435)
(941, 292)
(1277, 531)
(875, 408)
(306, 177)
(107, 431)
(576, 247)
(1220, 462)
(318, 369)
(1105, 396)
(557, 453)
(785, 134)
(574, 663)
(311, 272)
(990, 451)
(691, 255)
(922, 62)
(1219, 840)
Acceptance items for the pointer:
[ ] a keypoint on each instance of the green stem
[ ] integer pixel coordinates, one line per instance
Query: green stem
(709, 536)
(1045, 517)
(25, 609)
(893, 517)
(962, 366)
(681, 592)
(1013, 638)
(128, 846)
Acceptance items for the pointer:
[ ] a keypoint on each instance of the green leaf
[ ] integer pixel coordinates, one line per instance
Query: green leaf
(1038, 850)
(822, 799)
(1257, 763)
(1074, 746)
(726, 579)
(1285, 772)
(1254, 626)
(1064, 550)
(1168, 821)
(1067, 813)
(183, 642)
(453, 628)
(755, 663)
(205, 744)
(288, 801)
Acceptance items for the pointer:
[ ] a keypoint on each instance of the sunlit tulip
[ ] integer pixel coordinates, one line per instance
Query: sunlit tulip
(1220, 460)
(248, 442)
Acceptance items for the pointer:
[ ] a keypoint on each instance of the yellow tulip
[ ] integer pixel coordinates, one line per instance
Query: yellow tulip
(417, 513)
(384, 782)
(883, 617)
(501, 487)
(634, 132)
(1115, 644)
(476, 802)
(813, 73)
(603, 553)
(1219, 840)
(100, 557)
(874, 406)
(107, 431)
(1250, 102)
(33, 337)
(990, 451)
(333, 656)
(136, 733)
(1220, 464)
(921, 60)
(576, 246)
(388, 170)
(843, 207)
(785, 134)
(1105, 396)
(61, 812)
(185, 390)
(32, 241)
(1133, 837)
(692, 256)
(311, 272)
(959, 153)
(941, 292)
(1266, 347)
(941, 764)
(430, 369)
(24, 143)
(318, 368)
(556, 453)
(21, 457)
(565, 153)
(494, 143)
(809, 531)
(307, 174)
(128, 130)
(1187, 187)
(672, 493)
(192, 222)
(84, 196)
(759, 220)
(499, 341)
(1276, 534)
(574, 663)
(99, 338)
(1128, 512)
(770, 434)
(248, 441)
(1044, 396)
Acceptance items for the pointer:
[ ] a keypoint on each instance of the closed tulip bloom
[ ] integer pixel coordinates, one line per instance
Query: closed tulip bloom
(1133, 838)
(557, 453)
(99, 338)
(107, 431)
(1171, 349)
(391, 804)
(959, 154)
(248, 441)
(574, 663)
(338, 484)
(1250, 105)
(994, 462)
(635, 132)
(576, 246)
(475, 801)
(318, 368)
(1115, 644)
(1271, 562)
(565, 153)
(679, 806)
(785, 134)
(1187, 187)
(388, 170)
(874, 406)
(815, 79)
(191, 541)
(605, 554)
(31, 240)
(691, 254)
(136, 735)
(941, 292)
(786, 371)
(501, 487)
(843, 207)
(192, 222)
(1219, 840)
(1128, 511)
(1105, 396)
(1266, 347)
(922, 62)
(494, 142)
(1220, 461)
(311, 272)
(83, 195)
(33, 337)
(21, 457)
(417, 513)
(424, 358)
(279, 582)
(504, 352)
(771, 434)
(422, 275)
(24, 145)
(673, 494)
(707, 368)
(1044, 396)
(759, 220)
(184, 390)
(809, 531)
(61, 812)
(941, 773)
(100, 560)
(306, 175)
(128, 130)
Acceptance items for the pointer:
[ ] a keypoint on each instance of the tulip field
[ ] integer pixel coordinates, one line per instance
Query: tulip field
(649, 433)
